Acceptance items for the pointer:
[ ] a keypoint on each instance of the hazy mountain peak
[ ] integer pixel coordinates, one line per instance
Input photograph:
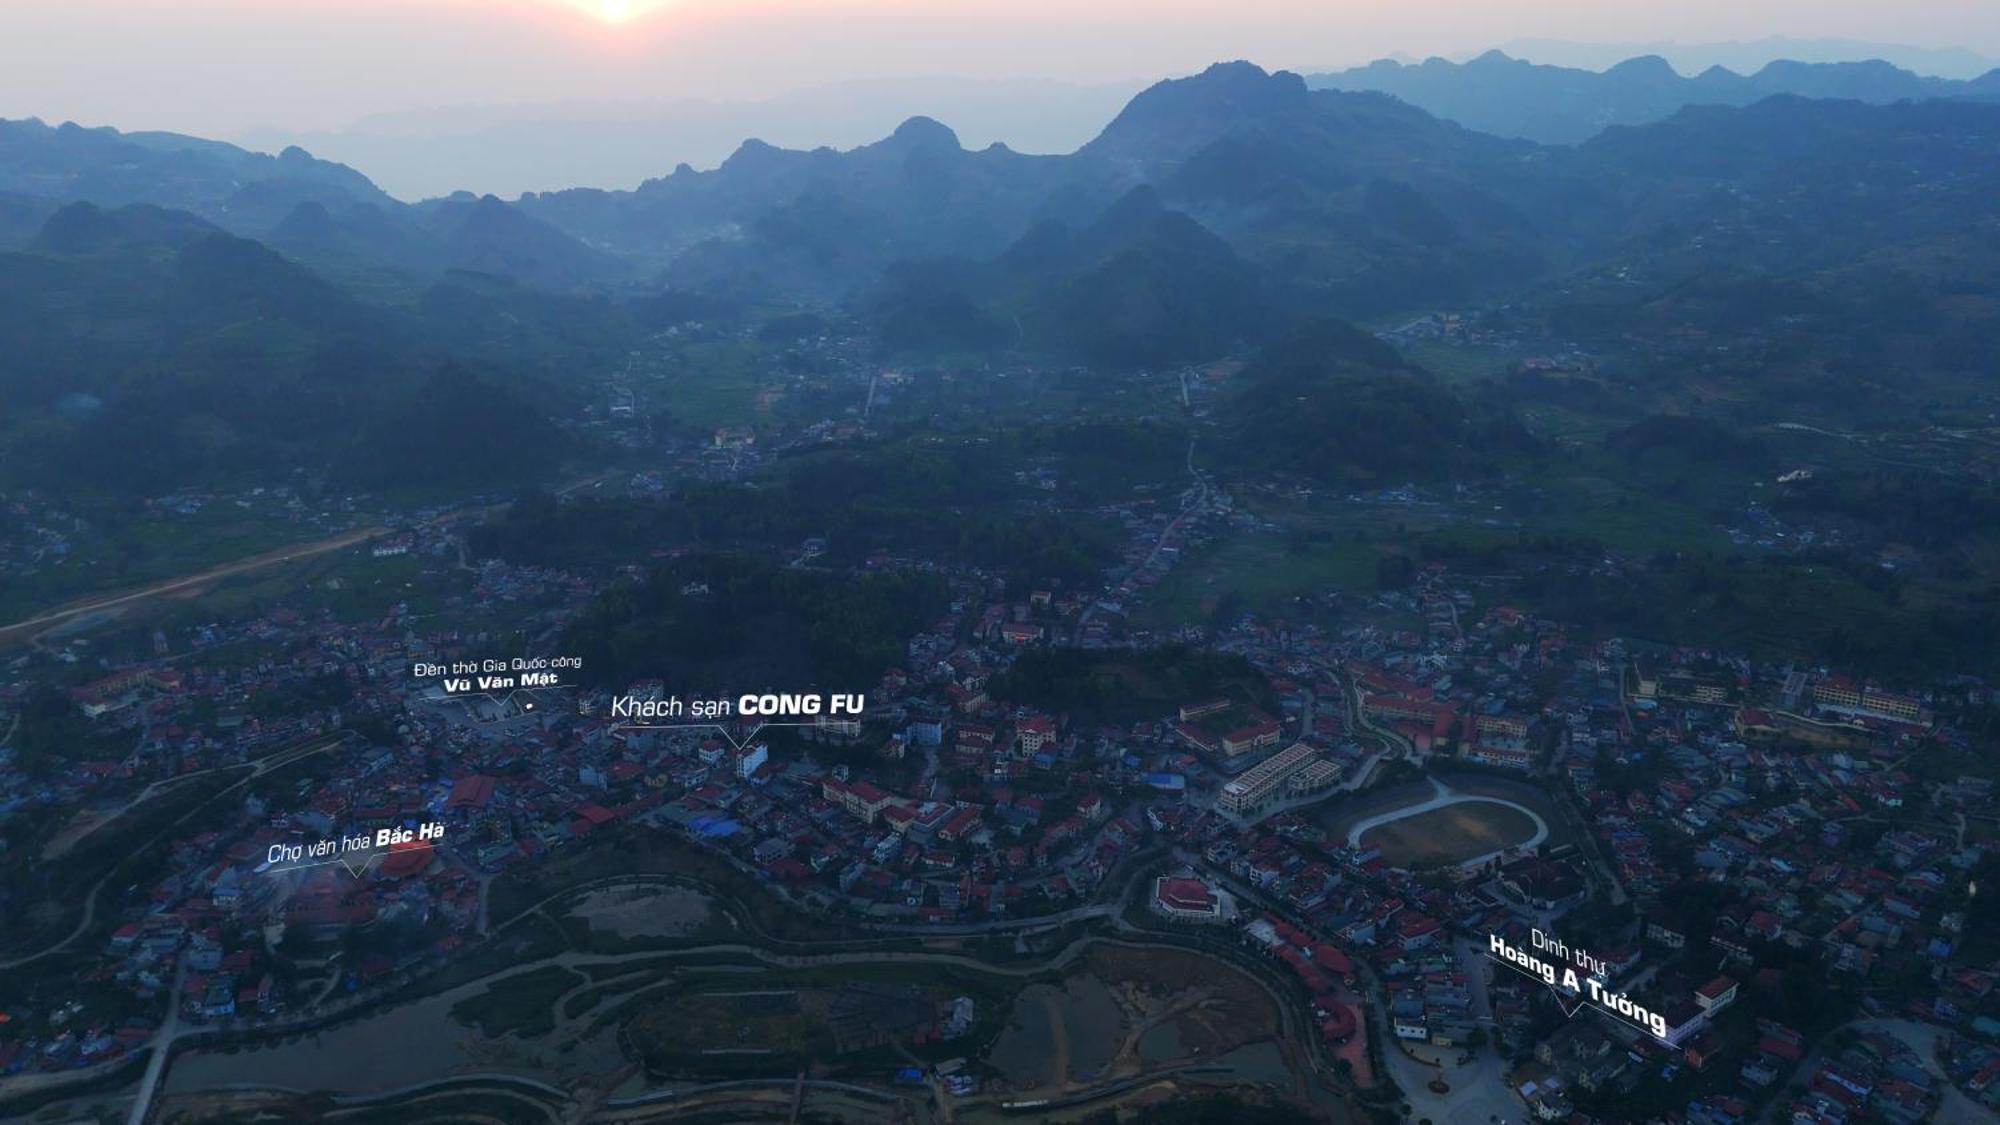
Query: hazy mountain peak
(1243, 85)
(246, 192)
(489, 235)
(752, 154)
(1644, 66)
(1247, 80)
(85, 228)
(77, 228)
(925, 132)
(1181, 115)
(1792, 68)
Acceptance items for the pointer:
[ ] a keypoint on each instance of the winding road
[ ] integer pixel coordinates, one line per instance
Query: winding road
(1070, 955)
(256, 769)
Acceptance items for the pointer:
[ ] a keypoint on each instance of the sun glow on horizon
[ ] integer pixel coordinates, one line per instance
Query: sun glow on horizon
(617, 11)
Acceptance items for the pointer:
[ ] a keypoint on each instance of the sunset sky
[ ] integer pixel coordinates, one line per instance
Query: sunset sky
(222, 66)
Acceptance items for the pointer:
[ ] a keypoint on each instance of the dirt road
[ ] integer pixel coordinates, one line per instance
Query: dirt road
(27, 630)
(22, 631)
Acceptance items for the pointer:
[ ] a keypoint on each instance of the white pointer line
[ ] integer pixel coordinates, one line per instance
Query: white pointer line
(373, 855)
(708, 726)
(1567, 1011)
(490, 697)
(1580, 999)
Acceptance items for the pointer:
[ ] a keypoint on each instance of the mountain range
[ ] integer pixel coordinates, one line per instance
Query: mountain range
(1511, 97)
(152, 273)
(1355, 202)
(1747, 55)
(511, 149)
(325, 214)
(1357, 197)
(1370, 200)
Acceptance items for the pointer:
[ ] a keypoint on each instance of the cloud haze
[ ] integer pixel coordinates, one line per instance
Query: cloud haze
(225, 66)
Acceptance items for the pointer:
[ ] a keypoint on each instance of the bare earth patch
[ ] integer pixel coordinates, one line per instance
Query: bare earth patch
(1452, 834)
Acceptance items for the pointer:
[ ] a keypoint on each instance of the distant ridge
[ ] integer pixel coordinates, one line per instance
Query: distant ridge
(317, 211)
(508, 150)
(1511, 97)
(1745, 56)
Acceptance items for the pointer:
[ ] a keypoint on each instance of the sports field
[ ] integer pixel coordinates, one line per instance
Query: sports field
(1452, 834)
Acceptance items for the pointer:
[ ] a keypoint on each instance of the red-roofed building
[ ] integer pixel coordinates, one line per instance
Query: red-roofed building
(1254, 736)
(406, 860)
(1192, 711)
(474, 791)
(962, 824)
(865, 801)
(1416, 930)
(1186, 900)
(589, 818)
(1020, 633)
(1755, 723)
(1337, 1022)
(1034, 733)
(1716, 994)
(1333, 960)
(1779, 1046)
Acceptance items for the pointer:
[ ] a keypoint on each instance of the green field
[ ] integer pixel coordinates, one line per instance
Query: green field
(151, 548)
(1461, 363)
(1263, 572)
(712, 384)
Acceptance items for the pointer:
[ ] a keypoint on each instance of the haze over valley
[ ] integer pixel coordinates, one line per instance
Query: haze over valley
(1131, 563)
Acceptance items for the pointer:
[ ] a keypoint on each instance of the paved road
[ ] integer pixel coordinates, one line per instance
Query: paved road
(1194, 502)
(1444, 796)
(1478, 1089)
(1357, 719)
(163, 1048)
(64, 842)
(1058, 960)
(1189, 507)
